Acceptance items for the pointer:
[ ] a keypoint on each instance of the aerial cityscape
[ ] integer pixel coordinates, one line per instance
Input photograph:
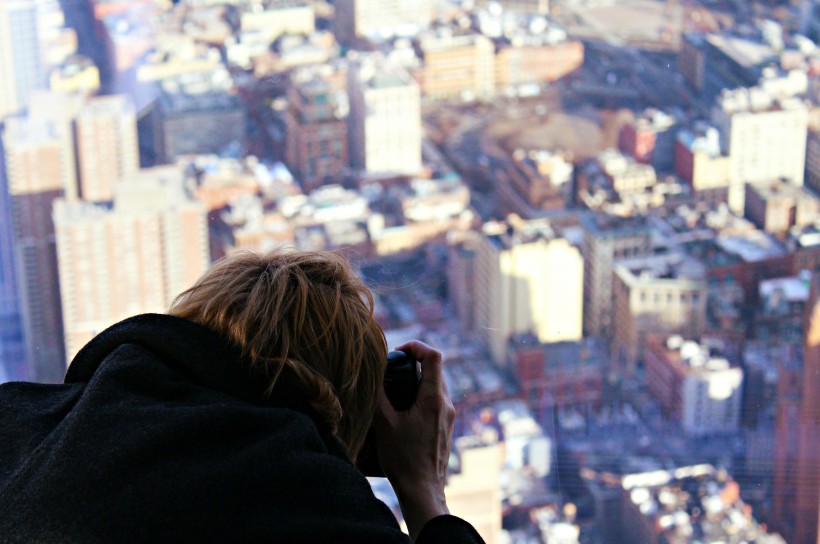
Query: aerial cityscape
(604, 213)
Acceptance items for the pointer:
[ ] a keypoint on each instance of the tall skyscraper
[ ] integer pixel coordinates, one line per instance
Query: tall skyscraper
(385, 117)
(20, 57)
(107, 147)
(40, 166)
(129, 258)
(12, 342)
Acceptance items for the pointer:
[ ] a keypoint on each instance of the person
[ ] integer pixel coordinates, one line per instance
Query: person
(235, 417)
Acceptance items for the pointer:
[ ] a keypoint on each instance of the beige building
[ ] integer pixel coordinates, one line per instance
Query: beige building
(778, 206)
(516, 66)
(541, 7)
(280, 19)
(661, 294)
(474, 491)
(764, 137)
(457, 67)
(517, 277)
(699, 161)
(381, 19)
(107, 147)
(129, 258)
(385, 118)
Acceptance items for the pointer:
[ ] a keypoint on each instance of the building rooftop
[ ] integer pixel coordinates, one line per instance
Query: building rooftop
(782, 190)
(753, 246)
(614, 226)
(670, 266)
(793, 289)
(746, 52)
(698, 503)
(701, 358)
(515, 231)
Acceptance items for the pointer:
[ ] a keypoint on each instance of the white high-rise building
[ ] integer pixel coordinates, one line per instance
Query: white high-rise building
(21, 69)
(520, 277)
(764, 134)
(385, 117)
(702, 391)
(381, 19)
(132, 258)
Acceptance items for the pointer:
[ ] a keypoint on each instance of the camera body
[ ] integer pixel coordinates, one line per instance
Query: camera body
(401, 382)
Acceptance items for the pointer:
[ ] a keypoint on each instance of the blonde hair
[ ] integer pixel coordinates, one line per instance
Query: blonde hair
(306, 314)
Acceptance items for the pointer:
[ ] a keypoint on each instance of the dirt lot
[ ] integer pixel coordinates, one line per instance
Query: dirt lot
(583, 134)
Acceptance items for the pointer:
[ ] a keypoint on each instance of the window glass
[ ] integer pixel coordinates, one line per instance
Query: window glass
(508, 177)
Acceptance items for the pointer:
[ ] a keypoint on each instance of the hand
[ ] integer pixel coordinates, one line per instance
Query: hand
(414, 445)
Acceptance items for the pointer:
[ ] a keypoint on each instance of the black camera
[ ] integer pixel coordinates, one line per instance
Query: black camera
(401, 383)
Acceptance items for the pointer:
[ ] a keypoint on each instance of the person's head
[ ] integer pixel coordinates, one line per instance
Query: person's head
(304, 313)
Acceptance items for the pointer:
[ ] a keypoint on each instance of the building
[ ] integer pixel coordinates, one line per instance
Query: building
(457, 67)
(561, 373)
(385, 118)
(526, 279)
(782, 308)
(381, 19)
(20, 55)
(76, 74)
(105, 132)
(805, 245)
(279, 17)
(672, 505)
(764, 137)
(621, 173)
(540, 7)
(316, 146)
(606, 240)
(519, 68)
(534, 181)
(696, 386)
(40, 163)
(129, 256)
(650, 139)
(716, 61)
(663, 294)
(812, 179)
(698, 160)
(807, 492)
(787, 446)
(691, 60)
(778, 206)
(13, 362)
(473, 490)
(191, 121)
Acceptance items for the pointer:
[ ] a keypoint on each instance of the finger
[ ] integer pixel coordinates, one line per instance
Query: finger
(430, 359)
